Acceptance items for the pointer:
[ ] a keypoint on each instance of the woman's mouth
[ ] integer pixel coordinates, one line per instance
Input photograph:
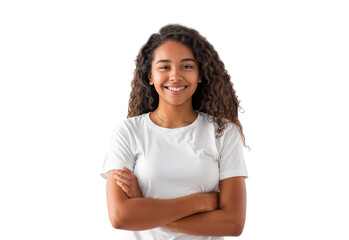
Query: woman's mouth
(176, 89)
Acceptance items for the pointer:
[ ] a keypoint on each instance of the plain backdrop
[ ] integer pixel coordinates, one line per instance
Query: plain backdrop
(66, 68)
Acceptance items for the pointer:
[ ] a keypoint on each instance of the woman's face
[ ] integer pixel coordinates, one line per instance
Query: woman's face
(174, 73)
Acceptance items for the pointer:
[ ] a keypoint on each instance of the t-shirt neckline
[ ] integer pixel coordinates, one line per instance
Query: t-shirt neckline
(153, 125)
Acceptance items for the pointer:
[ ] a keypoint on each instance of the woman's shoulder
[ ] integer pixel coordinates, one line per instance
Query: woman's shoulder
(135, 119)
(131, 123)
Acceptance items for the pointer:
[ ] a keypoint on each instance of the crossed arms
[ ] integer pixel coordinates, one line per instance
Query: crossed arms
(205, 214)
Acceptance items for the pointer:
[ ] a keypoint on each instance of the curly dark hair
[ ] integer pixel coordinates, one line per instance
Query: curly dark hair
(214, 96)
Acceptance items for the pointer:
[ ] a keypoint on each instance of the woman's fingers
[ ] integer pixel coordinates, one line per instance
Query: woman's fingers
(124, 188)
(128, 182)
(123, 180)
(129, 172)
(124, 175)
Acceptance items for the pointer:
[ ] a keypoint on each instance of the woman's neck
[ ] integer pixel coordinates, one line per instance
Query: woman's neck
(174, 115)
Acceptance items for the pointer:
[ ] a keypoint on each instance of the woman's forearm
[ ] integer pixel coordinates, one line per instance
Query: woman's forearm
(143, 213)
(213, 223)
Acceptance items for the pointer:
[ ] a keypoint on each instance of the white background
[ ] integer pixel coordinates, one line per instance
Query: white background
(66, 68)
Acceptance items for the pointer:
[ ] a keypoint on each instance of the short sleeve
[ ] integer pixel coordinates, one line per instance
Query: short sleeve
(231, 157)
(119, 153)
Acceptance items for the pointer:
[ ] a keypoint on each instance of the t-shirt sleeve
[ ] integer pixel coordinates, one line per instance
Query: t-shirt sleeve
(119, 153)
(231, 157)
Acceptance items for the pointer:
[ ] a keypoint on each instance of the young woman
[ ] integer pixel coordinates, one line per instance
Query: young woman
(175, 169)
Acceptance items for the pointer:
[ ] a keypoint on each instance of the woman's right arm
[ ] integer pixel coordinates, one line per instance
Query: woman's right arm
(144, 213)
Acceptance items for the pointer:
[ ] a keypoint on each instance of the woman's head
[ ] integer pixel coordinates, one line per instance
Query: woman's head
(214, 95)
(174, 74)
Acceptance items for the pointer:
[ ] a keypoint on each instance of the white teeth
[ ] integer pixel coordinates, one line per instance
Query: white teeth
(176, 89)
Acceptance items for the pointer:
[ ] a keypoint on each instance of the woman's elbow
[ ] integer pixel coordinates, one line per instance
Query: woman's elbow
(236, 229)
(117, 220)
(116, 223)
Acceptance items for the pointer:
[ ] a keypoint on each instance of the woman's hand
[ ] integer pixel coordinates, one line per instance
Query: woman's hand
(128, 182)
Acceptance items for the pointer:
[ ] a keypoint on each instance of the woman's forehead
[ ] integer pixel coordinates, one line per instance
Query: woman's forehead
(172, 50)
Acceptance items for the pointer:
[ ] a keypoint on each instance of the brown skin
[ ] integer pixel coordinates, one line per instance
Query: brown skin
(227, 220)
(138, 214)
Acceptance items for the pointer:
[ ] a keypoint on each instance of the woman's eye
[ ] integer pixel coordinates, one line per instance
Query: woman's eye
(187, 67)
(164, 67)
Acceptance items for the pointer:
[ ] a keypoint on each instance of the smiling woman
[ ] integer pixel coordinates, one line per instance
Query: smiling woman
(175, 169)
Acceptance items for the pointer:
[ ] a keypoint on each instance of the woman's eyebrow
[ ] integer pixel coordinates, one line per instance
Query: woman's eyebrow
(183, 60)
(188, 59)
(163, 60)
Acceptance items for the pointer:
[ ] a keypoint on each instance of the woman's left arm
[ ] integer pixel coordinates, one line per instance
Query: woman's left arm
(228, 220)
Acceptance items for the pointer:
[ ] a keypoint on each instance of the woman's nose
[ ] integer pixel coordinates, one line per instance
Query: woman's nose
(175, 75)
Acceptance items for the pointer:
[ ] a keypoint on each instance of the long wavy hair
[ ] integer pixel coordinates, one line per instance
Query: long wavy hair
(215, 95)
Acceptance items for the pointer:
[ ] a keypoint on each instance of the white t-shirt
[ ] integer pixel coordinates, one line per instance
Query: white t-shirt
(171, 163)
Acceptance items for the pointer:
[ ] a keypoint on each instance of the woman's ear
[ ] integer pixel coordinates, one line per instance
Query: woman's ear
(150, 80)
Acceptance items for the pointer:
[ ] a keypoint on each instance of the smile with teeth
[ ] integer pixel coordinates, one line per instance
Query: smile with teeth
(174, 89)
